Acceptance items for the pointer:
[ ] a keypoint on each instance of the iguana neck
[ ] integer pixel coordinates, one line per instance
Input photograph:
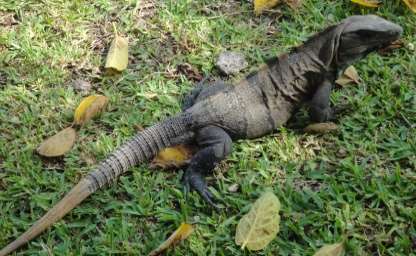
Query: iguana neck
(296, 75)
(306, 66)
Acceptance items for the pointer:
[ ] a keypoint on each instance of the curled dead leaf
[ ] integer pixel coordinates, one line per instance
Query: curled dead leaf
(389, 48)
(89, 108)
(331, 250)
(180, 234)
(58, 144)
(262, 5)
(117, 57)
(350, 75)
(411, 4)
(294, 4)
(261, 224)
(321, 128)
(367, 3)
(172, 157)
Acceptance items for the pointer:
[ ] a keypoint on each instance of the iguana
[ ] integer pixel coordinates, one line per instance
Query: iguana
(213, 116)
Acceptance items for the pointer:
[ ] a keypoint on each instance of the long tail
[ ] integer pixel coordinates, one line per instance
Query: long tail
(141, 147)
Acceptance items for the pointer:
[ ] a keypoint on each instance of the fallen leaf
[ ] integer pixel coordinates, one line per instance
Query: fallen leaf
(150, 95)
(350, 75)
(294, 4)
(411, 4)
(233, 188)
(117, 57)
(331, 250)
(343, 81)
(189, 71)
(389, 48)
(262, 5)
(172, 157)
(180, 234)
(58, 144)
(321, 128)
(89, 108)
(260, 225)
(367, 3)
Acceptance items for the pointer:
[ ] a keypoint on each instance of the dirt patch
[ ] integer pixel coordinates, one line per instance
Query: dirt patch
(144, 13)
(8, 19)
(313, 185)
(186, 69)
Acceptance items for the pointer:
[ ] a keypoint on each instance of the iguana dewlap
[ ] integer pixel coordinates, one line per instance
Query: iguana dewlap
(215, 115)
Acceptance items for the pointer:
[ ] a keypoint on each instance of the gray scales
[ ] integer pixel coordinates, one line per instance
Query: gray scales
(213, 116)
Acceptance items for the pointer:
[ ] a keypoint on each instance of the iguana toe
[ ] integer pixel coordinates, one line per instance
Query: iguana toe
(195, 181)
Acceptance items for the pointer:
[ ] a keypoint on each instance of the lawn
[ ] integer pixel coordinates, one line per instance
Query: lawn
(357, 184)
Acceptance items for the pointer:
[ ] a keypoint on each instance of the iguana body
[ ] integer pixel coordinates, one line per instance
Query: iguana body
(215, 115)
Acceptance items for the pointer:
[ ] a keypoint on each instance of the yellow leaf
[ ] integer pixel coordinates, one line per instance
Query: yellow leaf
(262, 5)
(331, 250)
(89, 108)
(411, 4)
(180, 234)
(350, 75)
(117, 57)
(260, 225)
(367, 3)
(321, 128)
(173, 157)
(58, 144)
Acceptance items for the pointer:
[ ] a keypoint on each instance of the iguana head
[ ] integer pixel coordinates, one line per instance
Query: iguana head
(361, 35)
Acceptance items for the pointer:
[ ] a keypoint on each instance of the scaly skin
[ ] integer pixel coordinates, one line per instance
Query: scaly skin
(213, 116)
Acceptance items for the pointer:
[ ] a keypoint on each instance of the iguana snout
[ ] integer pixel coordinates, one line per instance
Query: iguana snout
(364, 34)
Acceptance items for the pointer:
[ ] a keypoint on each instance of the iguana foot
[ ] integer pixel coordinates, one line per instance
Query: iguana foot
(195, 180)
(215, 144)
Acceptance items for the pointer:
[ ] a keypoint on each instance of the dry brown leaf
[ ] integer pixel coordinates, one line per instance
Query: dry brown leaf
(294, 4)
(172, 157)
(350, 75)
(411, 4)
(343, 81)
(389, 48)
(321, 128)
(117, 57)
(262, 5)
(367, 3)
(89, 108)
(180, 234)
(331, 250)
(58, 144)
(260, 225)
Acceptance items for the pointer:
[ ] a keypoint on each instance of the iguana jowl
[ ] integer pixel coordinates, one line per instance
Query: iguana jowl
(215, 115)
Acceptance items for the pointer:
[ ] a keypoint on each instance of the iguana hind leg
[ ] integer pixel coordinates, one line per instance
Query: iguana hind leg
(215, 144)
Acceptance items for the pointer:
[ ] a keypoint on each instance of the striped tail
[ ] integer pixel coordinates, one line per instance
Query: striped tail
(143, 146)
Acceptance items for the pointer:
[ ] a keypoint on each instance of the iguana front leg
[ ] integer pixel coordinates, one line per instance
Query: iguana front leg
(215, 144)
(320, 110)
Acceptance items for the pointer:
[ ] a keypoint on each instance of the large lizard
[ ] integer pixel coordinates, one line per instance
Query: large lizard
(213, 116)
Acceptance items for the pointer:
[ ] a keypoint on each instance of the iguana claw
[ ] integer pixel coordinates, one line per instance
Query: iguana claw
(195, 180)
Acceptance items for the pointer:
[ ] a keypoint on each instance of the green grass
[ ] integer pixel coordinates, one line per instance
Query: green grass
(357, 184)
